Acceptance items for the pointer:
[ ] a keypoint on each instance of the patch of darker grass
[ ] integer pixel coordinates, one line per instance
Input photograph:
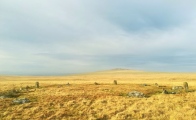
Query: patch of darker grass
(10, 94)
(123, 94)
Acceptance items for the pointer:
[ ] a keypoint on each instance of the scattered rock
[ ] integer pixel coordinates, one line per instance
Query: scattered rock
(136, 94)
(144, 85)
(177, 88)
(21, 89)
(27, 88)
(68, 84)
(3, 97)
(21, 101)
(165, 91)
(96, 83)
(156, 84)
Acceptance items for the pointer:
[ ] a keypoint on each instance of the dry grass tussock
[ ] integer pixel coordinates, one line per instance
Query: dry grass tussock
(82, 100)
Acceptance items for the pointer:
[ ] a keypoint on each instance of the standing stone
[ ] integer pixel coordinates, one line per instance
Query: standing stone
(96, 83)
(27, 88)
(165, 91)
(68, 84)
(186, 87)
(37, 84)
(115, 82)
(156, 84)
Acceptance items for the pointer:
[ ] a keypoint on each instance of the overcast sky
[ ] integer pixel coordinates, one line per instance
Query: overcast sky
(56, 37)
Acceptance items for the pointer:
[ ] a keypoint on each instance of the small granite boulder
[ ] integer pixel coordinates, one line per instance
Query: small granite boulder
(3, 97)
(177, 88)
(21, 101)
(136, 94)
(144, 85)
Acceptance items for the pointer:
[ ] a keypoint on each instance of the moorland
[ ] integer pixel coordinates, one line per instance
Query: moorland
(77, 97)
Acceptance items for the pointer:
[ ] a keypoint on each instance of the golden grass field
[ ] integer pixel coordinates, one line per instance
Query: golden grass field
(82, 100)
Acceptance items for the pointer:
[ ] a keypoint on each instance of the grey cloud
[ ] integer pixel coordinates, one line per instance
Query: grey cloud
(139, 15)
(59, 37)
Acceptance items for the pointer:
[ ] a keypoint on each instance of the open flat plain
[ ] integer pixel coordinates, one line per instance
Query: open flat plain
(83, 100)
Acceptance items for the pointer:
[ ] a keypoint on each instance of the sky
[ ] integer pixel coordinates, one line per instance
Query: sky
(58, 37)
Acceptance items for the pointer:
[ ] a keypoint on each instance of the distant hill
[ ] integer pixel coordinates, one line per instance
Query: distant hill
(120, 69)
